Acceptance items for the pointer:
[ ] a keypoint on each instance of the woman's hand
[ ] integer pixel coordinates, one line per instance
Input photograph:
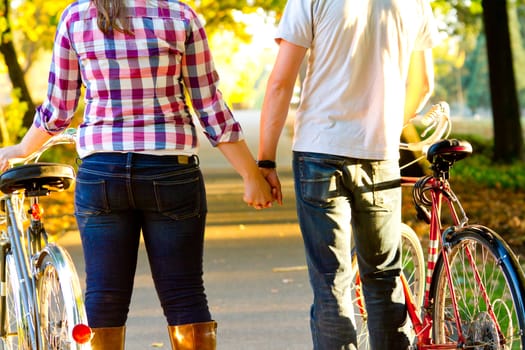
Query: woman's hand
(8, 153)
(32, 141)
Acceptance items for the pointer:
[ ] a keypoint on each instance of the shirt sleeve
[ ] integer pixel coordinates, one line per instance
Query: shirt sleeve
(201, 80)
(296, 24)
(64, 84)
(429, 34)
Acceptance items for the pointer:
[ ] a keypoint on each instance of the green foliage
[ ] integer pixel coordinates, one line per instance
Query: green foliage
(480, 169)
(461, 62)
(475, 78)
(13, 114)
(220, 16)
(33, 24)
(517, 34)
(460, 16)
(3, 19)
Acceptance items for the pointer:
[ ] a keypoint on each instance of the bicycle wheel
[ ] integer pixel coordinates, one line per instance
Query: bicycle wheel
(489, 289)
(16, 326)
(60, 299)
(413, 268)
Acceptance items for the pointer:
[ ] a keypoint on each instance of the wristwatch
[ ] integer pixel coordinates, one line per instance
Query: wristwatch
(266, 164)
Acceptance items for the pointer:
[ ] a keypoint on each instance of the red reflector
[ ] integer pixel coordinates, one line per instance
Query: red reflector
(36, 211)
(82, 333)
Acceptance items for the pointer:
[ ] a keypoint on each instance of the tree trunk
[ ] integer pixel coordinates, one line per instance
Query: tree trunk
(508, 137)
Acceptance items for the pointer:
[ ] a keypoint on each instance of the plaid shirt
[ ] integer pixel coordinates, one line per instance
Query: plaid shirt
(135, 84)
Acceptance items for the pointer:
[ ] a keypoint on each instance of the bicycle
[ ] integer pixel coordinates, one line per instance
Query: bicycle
(41, 305)
(472, 295)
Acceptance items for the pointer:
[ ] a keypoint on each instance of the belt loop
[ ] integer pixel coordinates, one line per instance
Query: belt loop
(129, 161)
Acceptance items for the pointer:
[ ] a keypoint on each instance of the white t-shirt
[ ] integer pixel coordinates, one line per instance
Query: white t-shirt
(352, 101)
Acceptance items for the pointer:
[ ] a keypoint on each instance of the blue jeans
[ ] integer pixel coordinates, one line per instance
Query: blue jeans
(120, 195)
(337, 197)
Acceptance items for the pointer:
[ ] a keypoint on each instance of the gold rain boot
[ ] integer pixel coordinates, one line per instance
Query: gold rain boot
(110, 338)
(193, 336)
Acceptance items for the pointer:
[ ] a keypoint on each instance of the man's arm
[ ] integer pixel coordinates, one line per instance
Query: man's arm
(279, 91)
(420, 82)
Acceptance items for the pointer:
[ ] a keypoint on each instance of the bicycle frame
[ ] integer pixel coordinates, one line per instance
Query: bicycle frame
(440, 195)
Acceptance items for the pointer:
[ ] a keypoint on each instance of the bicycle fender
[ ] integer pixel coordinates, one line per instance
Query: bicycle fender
(67, 278)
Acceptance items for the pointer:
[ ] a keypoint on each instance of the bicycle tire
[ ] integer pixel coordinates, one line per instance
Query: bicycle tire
(16, 326)
(413, 268)
(60, 299)
(502, 278)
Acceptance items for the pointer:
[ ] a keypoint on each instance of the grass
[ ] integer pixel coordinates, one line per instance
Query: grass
(480, 169)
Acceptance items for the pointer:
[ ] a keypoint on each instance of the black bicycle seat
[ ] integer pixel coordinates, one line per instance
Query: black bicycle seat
(37, 177)
(449, 150)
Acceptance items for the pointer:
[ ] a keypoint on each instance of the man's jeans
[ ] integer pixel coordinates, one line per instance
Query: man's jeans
(120, 195)
(338, 197)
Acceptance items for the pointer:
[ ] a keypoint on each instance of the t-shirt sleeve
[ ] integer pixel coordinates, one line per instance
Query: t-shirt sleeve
(296, 24)
(429, 35)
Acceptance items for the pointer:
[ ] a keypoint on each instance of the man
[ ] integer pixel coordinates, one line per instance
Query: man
(369, 70)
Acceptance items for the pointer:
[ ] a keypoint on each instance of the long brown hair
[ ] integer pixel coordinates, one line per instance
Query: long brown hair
(111, 15)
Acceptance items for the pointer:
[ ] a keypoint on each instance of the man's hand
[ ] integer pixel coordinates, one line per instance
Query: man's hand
(273, 179)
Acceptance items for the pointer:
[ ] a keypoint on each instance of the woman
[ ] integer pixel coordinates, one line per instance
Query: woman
(140, 61)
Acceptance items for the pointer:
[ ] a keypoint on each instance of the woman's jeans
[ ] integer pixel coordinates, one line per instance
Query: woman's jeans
(120, 195)
(337, 197)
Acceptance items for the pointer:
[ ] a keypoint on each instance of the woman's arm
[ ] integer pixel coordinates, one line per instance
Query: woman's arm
(32, 142)
(257, 192)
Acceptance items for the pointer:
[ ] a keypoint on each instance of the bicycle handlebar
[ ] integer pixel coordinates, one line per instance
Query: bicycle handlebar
(437, 119)
(66, 137)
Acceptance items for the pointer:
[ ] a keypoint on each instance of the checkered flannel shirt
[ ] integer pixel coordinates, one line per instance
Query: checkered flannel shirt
(136, 85)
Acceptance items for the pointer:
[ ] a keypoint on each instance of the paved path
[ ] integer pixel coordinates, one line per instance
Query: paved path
(212, 159)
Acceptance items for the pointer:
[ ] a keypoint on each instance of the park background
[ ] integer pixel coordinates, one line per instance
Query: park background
(255, 274)
(479, 68)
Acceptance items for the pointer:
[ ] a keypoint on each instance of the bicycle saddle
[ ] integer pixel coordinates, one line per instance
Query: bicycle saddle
(449, 150)
(37, 177)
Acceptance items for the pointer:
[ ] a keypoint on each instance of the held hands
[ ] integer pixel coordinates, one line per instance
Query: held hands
(260, 189)
(263, 189)
(257, 192)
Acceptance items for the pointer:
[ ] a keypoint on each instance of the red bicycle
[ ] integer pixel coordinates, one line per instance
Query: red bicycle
(471, 295)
